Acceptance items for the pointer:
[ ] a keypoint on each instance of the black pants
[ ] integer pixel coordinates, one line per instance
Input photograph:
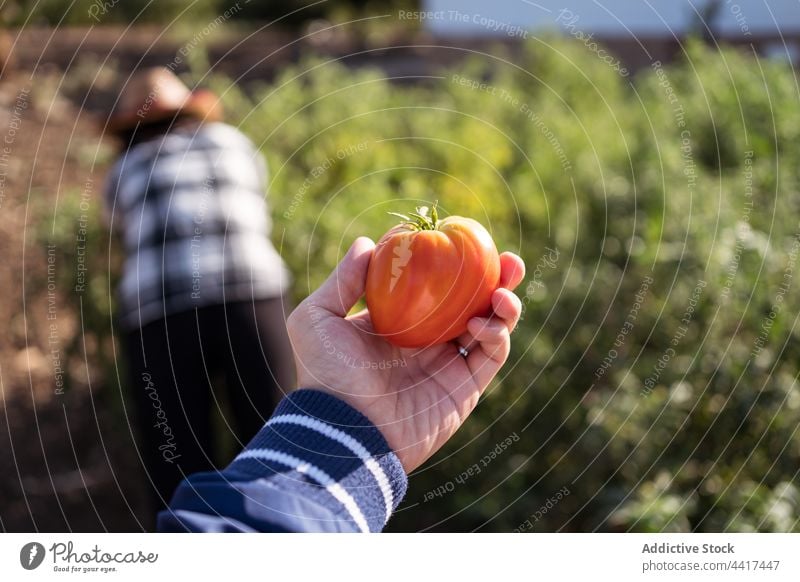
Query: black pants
(175, 367)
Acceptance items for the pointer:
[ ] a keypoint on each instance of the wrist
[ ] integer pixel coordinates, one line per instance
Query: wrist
(334, 451)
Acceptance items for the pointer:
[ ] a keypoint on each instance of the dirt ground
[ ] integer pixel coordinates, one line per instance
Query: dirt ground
(65, 461)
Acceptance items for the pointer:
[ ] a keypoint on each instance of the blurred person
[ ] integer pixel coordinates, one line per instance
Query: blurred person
(202, 293)
(335, 455)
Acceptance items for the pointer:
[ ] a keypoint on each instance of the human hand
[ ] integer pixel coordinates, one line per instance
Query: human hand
(417, 398)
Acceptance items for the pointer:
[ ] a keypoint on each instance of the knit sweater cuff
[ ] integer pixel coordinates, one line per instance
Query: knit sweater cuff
(331, 451)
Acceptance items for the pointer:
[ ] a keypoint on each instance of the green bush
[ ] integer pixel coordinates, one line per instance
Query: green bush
(652, 383)
(74, 236)
(664, 199)
(93, 12)
(290, 13)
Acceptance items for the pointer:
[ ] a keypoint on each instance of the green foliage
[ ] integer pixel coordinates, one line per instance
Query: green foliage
(653, 376)
(93, 12)
(73, 237)
(290, 13)
(687, 425)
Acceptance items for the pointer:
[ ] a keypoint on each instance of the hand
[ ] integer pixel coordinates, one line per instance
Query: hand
(418, 398)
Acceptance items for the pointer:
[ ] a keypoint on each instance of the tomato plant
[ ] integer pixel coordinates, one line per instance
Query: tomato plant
(428, 277)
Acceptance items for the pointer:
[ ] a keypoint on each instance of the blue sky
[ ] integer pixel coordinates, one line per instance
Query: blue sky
(618, 17)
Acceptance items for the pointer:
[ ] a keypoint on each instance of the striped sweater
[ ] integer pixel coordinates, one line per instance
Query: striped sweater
(318, 465)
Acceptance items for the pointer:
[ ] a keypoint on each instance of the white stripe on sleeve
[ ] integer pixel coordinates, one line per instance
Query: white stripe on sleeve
(350, 443)
(331, 486)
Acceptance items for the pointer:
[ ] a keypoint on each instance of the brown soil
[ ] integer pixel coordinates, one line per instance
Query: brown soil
(67, 463)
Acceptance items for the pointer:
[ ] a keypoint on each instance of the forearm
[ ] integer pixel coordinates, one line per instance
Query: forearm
(317, 465)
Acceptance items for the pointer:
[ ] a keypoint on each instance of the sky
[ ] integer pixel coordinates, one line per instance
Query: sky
(609, 17)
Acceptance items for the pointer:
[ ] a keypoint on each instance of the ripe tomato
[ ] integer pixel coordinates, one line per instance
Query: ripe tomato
(428, 277)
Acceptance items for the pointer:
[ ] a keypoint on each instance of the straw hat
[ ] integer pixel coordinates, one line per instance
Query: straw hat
(157, 94)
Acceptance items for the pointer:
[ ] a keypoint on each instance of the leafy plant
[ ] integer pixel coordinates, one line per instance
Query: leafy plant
(694, 189)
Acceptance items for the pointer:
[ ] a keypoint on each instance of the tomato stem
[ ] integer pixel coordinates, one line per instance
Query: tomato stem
(425, 218)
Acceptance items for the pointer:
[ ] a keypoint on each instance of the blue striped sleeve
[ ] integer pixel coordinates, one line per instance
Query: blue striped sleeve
(317, 465)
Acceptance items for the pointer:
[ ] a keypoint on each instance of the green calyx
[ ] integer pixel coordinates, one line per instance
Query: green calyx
(425, 218)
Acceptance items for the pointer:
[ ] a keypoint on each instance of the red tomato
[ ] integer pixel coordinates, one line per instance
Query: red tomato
(428, 277)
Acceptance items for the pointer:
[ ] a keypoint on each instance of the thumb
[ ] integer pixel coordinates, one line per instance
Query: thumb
(346, 284)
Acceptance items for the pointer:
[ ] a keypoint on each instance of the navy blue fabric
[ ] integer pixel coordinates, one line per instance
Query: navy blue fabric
(269, 495)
